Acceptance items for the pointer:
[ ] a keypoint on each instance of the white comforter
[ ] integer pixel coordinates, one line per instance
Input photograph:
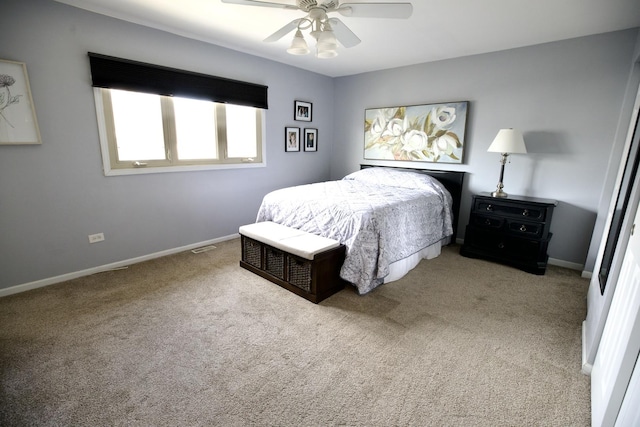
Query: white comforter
(379, 224)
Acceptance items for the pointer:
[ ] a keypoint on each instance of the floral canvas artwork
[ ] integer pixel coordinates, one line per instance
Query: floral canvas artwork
(423, 133)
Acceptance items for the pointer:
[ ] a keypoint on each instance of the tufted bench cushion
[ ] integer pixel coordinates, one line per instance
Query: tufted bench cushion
(296, 242)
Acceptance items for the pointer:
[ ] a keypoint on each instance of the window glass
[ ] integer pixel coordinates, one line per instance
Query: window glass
(241, 131)
(138, 126)
(195, 122)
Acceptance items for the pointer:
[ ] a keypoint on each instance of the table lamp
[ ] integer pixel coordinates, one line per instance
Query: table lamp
(508, 141)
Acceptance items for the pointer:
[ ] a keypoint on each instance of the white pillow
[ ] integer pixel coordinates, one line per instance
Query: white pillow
(395, 178)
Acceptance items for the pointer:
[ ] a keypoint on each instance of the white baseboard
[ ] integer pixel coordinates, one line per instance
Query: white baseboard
(566, 264)
(69, 276)
(586, 367)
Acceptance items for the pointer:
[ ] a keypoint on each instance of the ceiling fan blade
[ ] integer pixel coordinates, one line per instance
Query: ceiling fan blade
(344, 35)
(376, 10)
(283, 31)
(261, 3)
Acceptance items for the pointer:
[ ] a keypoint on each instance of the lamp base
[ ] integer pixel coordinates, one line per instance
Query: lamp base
(499, 192)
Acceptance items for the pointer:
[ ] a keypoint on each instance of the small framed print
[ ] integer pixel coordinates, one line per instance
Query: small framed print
(291, 139)
(310, 139)
(302, 111)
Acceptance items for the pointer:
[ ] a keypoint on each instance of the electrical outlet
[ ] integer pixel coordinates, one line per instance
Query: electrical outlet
(95, 238)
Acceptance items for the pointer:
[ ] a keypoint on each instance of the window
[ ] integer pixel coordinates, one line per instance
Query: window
(157, 119)
(158, 133)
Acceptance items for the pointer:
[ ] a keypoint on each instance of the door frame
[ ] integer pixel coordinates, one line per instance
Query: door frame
(620, 343)
(598, 303)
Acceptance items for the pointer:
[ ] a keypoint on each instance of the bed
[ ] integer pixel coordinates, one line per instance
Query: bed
(388, 218)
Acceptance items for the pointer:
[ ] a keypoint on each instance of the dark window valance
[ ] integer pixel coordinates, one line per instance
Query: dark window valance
(116, 73)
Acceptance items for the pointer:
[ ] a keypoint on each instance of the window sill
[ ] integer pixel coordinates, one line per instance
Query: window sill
(167, 169)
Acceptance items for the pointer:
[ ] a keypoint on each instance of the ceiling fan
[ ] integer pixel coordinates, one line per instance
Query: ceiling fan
(327, 31)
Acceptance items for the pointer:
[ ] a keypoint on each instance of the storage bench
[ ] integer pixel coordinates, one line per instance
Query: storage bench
(303, 263)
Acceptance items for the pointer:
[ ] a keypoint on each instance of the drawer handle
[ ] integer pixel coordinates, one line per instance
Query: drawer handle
(525, 212)
(489, 207)
(523, 228)
(500, 245)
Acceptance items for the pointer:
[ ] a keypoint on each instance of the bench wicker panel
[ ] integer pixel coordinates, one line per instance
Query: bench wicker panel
(274, 262)
(252, 252)
(299, 273)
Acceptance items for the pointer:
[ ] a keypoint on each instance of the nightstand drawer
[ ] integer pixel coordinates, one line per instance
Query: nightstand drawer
(502, 246)
(532, 230)
(483, 221)
(525, 229)
(532, 213)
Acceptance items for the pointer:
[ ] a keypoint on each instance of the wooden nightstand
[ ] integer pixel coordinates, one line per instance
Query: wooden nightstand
(512, 230)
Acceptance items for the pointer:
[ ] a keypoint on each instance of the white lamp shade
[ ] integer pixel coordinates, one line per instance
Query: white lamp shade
(508, 141)
(298, 45)
(327, 41)
(327, 44)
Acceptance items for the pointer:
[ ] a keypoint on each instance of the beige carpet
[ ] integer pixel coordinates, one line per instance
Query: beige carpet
(193, 339)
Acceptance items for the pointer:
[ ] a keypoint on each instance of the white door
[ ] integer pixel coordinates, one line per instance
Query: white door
(630, 410)
(620, 342)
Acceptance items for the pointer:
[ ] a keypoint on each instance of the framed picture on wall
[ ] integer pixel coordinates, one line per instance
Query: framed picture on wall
(18, 124)
(291, 139)
(418, 133)
(310, 139)
(302, 111)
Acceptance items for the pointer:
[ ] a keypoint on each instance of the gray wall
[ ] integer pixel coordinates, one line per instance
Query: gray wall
(52, 196)
(564, 96)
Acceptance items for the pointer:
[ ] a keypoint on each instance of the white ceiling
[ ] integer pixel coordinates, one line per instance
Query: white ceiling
(437, 29)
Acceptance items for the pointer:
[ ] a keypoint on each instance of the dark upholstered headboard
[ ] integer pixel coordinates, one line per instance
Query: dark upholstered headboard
(452, 180)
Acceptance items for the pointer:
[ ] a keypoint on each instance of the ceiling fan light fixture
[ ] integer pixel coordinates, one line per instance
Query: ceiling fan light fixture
(317, 21)
(298, 45)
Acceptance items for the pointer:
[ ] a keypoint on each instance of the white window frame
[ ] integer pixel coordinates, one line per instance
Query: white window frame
(111, 166)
